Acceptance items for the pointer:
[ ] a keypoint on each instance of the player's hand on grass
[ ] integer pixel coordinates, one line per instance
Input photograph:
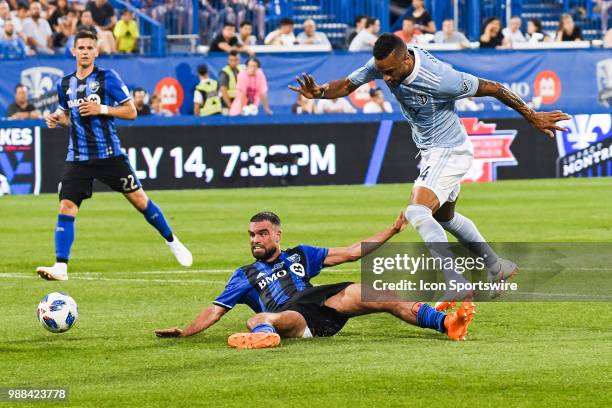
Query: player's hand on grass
(89, 109)
(308, 87)
(400, 223)
(547, 121)
(52, 119)
(176, 332)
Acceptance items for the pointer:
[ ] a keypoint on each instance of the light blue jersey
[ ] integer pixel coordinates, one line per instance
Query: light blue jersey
(427, 98)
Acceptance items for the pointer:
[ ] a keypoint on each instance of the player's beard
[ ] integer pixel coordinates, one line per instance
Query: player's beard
(266, 255)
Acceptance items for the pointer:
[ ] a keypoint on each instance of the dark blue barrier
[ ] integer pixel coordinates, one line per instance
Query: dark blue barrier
(576, 81)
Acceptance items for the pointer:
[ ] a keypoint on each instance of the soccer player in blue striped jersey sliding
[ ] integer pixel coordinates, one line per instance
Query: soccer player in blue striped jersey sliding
(277, 287)
(426, 90)
(89, 100)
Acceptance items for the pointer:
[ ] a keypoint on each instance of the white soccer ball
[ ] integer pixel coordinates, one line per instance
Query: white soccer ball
(250, 110)
(57, 312)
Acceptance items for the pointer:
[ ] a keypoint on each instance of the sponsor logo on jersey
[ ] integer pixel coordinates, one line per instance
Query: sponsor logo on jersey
(421, 99)
(298, 269)
(272, 278)
(74, 103)
(94, 86)
(294, 258)
(491, 149)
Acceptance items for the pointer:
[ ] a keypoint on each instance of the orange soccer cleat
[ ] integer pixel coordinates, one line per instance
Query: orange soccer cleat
(456, 323)
(253, 340)
(445, 306)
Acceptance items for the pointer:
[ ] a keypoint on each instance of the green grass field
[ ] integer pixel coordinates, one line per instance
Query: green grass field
(127, 284)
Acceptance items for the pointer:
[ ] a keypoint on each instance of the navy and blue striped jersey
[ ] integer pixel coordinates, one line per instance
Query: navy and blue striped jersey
(266, 287)
(92, 137)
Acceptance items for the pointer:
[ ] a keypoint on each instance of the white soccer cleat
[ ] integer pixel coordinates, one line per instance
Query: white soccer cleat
(502, 270)
(58, 272)
(180, 251)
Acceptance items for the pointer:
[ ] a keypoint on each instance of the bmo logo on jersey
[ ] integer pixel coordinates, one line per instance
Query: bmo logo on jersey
(270, 279)
(75, 103)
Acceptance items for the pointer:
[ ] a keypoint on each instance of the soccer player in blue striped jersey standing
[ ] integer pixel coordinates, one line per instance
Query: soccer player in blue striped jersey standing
(426, 90)
(89, 100)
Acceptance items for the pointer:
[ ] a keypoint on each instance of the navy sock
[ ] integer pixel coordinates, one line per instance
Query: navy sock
(64, 237)
(155, 217)
(430, 318)
(263, 328)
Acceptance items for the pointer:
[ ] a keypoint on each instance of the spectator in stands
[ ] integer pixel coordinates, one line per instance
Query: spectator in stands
(283, 35)
(228, 78)
(360, 24)
(142, 109)
(491, 36)
(364, 41)
(37, 31)
(209, 21)
(5, 15)
(258, 12)
(409, 32)
(106, 41)
(608, 39)
(59, 11)
(126, 33)
(512, 34)
(65, 29)
(19, 17)
(157, 109)
(377, 104)
(534, 32)
(206, 100)
(303, 105)
(605, 8)
(78, 5)
(448, 35)
(22, 108)
(227, 41)
(568, 30)
(245, 34)
(422, 18)
(251, 89)
(311, 36)
(103, 14)
(337, 105)
(11, 45)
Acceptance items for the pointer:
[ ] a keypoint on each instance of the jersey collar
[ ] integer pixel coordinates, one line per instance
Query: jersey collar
(415, 69)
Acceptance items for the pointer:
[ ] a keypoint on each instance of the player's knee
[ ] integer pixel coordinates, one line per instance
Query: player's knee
(417, 214)
(67, 207)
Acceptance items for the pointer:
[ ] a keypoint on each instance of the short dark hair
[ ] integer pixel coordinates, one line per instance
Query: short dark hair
(234, 53)
(255, 59)
(85, 34)
(537, 23)
(22, 6)
(266, 216)
(19, 85)
(126, 11)
(285, 21)
(359, 18)
(371, 21)
(202, 69)
(138, 90)
(228, 24)
(409, 18)
(246, 22)
(387, 44)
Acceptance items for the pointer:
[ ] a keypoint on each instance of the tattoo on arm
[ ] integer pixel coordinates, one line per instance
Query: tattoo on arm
(504, 95)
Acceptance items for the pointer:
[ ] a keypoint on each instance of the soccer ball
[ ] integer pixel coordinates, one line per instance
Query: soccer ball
(57, 312)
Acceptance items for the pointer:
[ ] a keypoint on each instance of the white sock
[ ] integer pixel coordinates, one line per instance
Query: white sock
(468, 235)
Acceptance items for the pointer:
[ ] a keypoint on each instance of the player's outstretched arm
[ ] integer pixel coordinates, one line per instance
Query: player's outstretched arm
(333, 89)
(544, 121)
(337, 256)
(203, 321)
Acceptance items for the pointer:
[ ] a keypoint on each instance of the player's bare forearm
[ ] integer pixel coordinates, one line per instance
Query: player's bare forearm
(337, 256)
(203, 321)
(543, 121)
(334, 89)
(125, 111)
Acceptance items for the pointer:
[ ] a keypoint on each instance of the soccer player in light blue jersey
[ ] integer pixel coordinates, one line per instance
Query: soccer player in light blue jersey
(426, 90)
